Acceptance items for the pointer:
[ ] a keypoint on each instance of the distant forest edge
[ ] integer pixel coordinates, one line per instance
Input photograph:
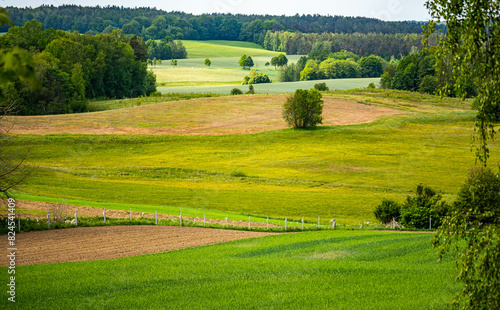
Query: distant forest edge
(299, 34)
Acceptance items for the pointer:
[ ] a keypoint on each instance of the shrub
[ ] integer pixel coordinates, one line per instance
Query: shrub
(256, 78)
(427, 205)
(387, 211)
(428, 85)
(385, 80)
(371, 86)
(481, 193)
(321, 86)
(155, 94)
(236, 91)
(251, 90)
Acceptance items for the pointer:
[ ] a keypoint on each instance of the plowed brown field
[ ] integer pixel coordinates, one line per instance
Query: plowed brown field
(97, 243)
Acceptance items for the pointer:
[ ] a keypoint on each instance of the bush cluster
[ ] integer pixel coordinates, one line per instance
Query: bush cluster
(419, 211)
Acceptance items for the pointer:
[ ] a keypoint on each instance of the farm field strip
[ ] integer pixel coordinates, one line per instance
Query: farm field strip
(222, 48)
(340, 269)
(103, 243)
(274, 88)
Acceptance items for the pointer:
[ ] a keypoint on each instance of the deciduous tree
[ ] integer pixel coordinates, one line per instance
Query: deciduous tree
(469, 53)
(303, 109)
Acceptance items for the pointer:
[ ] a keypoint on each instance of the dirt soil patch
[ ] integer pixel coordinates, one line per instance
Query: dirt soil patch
(108, 242)
(203, 116)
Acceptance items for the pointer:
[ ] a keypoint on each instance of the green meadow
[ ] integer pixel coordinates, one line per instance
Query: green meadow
(222, 71)
(339, 172)
(313, 270)
(268, 88)
(221, 48)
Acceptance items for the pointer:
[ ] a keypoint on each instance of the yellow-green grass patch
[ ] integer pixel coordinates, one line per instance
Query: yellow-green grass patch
(221, 48)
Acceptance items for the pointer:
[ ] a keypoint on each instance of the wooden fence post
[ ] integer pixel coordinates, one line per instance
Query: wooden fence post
(249, 223)
(48, 219)
(285, 223)
(302, 223)
(104, 213)
(156, 217)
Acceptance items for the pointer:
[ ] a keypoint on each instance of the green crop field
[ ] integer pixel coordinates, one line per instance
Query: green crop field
(223, 70)
(220, 48)
(314, 270)
(268, 88)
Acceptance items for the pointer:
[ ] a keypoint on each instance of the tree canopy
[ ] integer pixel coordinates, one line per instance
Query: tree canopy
(72, 68)
(246, 61)
(468, 55)
(303, 109)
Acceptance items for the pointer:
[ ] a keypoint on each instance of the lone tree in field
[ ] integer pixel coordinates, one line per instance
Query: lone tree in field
(469, 55)
(246, 61)
(303, 109)
(207, 62)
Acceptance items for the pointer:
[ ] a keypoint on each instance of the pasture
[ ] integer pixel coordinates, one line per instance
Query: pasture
(339, 269)
(335, 171)
(221, 48)
(272, 88)
(222, 71)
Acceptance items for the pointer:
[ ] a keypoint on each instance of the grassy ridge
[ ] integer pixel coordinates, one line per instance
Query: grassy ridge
(315, 270)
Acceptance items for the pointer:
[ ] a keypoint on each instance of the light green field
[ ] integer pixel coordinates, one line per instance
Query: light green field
(314, 270)
(271, 88)
(220, 48)
(223, 71)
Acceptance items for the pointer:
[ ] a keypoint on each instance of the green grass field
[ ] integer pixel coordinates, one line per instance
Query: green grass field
(220, 48)
(338, 172)
(223, 70)
(268, 88)
(314, 270)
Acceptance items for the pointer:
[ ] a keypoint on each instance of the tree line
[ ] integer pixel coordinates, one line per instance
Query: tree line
(322, 64)
(72, 68)
(383, 45)
(152, 23)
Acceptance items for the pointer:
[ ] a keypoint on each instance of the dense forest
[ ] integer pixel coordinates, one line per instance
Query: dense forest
(296, 34)
(72, 68)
